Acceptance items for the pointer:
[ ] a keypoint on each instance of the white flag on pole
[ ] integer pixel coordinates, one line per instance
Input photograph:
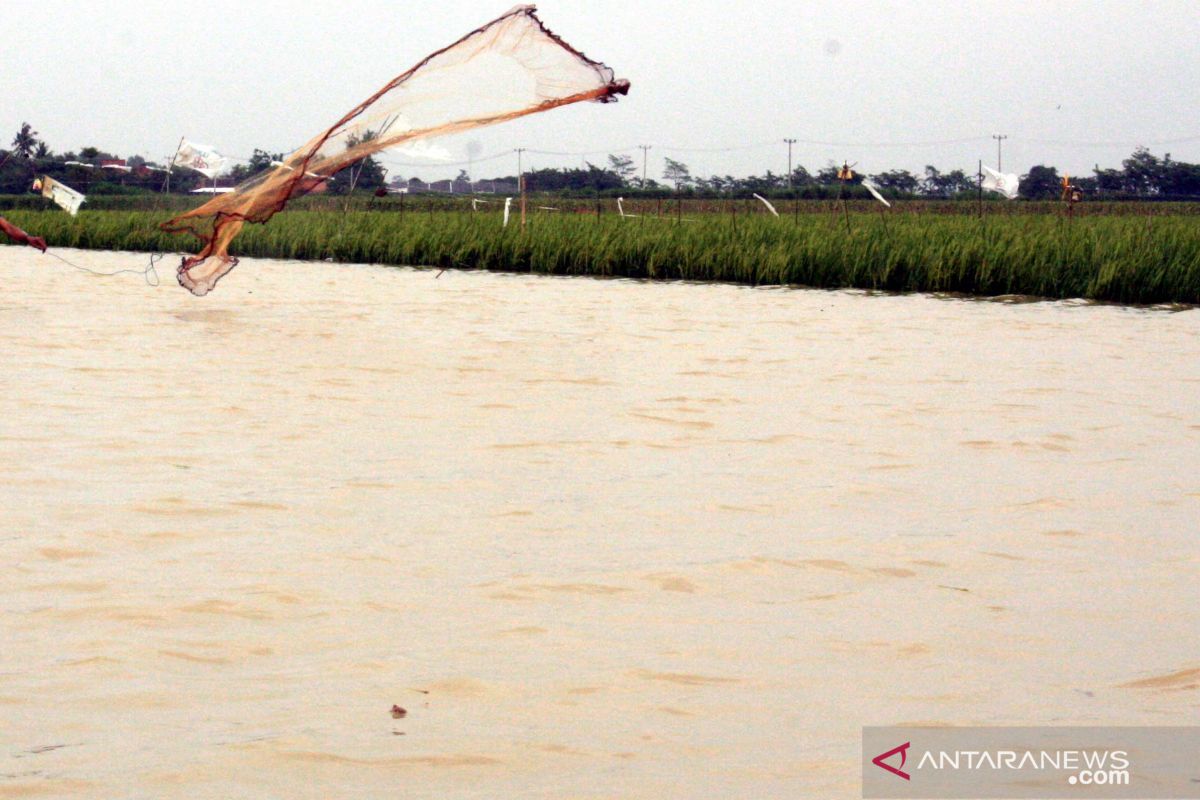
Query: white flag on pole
(874, 190)
(200, 157)
(1006, 184)
(64, 196)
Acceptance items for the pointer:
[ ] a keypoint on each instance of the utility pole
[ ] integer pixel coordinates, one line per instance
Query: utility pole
(999, 141)
(521, 184)
(645, 148)
(790, 142)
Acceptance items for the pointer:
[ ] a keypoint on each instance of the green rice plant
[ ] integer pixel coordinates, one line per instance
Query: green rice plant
(1121, 258)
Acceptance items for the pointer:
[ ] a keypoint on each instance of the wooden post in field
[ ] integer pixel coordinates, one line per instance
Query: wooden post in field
(844, 174)
(979, 179)
(171, 163)
(521, 184)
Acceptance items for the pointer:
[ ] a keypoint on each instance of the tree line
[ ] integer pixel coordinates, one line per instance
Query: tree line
(1142, 176)
(29, 156)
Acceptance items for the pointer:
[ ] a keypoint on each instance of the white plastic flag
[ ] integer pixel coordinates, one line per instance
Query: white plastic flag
(200, 157)
(63, 195)
(873, 188)
(767, 203)
(1006, 184)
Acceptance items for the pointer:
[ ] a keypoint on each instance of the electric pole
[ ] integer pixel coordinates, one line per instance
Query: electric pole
(645, 148)
(790, 142)
(999, 141)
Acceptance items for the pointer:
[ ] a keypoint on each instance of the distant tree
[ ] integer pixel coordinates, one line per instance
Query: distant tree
(763, 184)
(1041, 183)
(463, 176)
(959, 182)
(622, 166)
(1089, 186)
(1109, 180)
(1143, 172)
(828, 175)
(25, 142)
(260, 161)
(88, 153)
(366, 174)
(1179, 177)
(676, 172)
(801, 177)
(591, 180)
(42, 150)
(899, 180)
(946, 184)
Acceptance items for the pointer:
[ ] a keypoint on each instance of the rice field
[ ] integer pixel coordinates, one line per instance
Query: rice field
(662, 204)
(1119, 258)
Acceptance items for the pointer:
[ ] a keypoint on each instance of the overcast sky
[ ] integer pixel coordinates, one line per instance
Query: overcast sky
(715, 85)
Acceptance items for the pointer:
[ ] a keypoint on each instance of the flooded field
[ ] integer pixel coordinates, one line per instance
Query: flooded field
(599, 539)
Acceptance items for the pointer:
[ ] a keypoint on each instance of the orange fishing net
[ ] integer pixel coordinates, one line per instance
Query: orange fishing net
(509, 68)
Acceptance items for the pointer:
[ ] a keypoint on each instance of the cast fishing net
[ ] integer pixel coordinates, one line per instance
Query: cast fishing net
(511, 67)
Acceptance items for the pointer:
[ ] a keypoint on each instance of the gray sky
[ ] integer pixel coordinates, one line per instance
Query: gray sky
(1062, 79)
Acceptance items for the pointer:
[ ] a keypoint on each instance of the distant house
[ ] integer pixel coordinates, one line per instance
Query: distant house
(219, 186)
(115, 164)
(418, 186)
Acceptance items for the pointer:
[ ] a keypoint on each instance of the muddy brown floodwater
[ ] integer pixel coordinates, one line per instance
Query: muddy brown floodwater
(599, 539)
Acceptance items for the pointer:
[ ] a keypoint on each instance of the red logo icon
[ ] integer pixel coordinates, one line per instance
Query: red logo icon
(903, 751)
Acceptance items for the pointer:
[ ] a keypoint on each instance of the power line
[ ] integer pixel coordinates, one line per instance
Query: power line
(1126, 143)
